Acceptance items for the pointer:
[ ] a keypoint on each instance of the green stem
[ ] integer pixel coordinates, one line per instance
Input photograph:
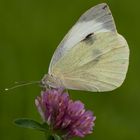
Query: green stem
(48, 136)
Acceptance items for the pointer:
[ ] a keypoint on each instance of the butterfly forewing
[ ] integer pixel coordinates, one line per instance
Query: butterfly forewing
(92, 56)
(97, 19)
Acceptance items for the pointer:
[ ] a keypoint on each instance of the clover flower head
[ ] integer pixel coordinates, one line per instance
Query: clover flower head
(63, 114)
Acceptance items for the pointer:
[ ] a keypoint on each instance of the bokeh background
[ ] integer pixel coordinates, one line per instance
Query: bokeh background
(30, 30)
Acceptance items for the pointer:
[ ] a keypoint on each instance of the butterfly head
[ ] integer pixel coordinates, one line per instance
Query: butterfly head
(49, 81)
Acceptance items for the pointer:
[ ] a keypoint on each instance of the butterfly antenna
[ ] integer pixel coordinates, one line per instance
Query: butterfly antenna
(19, 85)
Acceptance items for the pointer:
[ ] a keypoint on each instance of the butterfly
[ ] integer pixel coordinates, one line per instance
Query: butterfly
(93, 56)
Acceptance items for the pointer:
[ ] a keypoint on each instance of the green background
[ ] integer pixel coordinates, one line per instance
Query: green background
(30, 30)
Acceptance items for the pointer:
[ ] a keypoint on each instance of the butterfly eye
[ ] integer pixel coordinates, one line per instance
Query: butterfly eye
(42, 83)
(44, 80)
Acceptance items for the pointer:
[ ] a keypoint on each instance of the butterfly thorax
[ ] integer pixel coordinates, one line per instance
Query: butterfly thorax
(50, 81)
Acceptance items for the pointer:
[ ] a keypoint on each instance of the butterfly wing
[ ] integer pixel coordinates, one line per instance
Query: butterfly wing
(95, 20)
(97, 63)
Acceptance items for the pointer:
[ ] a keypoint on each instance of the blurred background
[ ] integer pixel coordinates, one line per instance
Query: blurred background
(30, 31)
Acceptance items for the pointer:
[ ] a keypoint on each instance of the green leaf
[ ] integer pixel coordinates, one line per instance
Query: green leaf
(29, 123)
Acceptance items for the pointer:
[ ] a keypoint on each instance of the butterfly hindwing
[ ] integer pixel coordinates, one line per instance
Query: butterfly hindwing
(97, 63)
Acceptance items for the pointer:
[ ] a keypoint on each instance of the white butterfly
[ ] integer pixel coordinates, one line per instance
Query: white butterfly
(92, 56)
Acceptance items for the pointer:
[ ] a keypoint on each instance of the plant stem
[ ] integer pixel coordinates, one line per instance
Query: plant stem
(48, 136)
